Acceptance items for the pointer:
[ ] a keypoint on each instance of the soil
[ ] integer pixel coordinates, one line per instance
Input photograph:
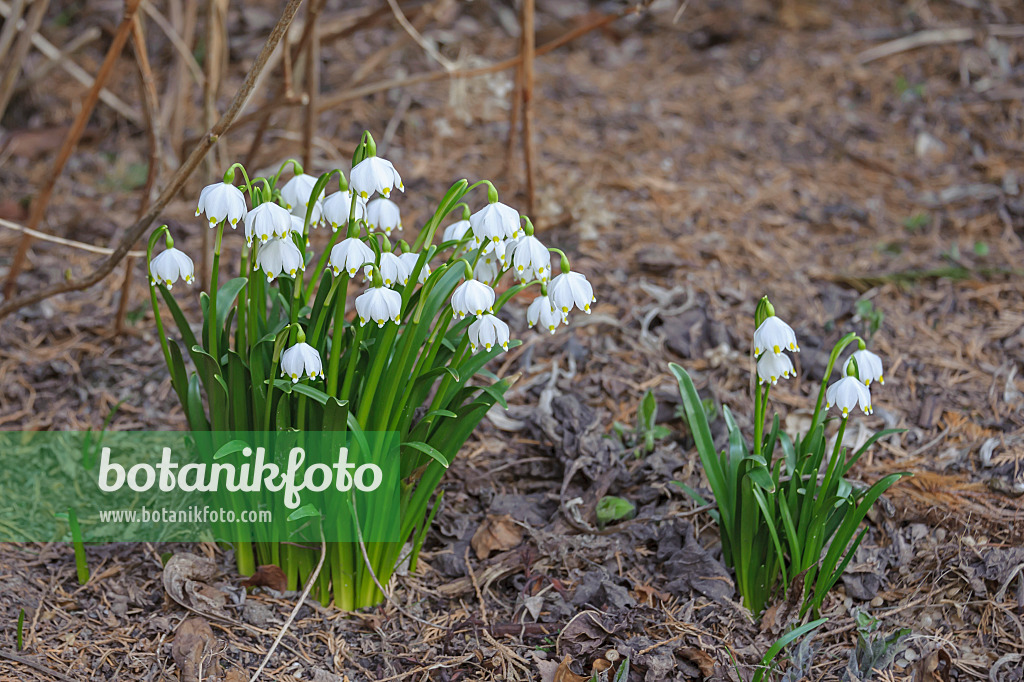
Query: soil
(688, 165)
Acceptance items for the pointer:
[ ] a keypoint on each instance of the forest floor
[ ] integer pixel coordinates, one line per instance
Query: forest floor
(688, 168)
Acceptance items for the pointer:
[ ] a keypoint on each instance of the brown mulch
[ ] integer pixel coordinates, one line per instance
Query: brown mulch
(688, 168)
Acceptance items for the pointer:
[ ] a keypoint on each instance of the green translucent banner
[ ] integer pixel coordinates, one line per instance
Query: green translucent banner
(170, 486)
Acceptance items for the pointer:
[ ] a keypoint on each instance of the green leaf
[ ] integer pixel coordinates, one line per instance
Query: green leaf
(782, 642)
(286, 386)
(622, 674)
(230, 448)
(428, 450)
(304, 512)
(611, 508)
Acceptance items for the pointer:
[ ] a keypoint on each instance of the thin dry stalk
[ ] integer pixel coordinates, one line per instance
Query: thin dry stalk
(42, 202)
(21, 47)
(147, 86)
(529, 54)
(513, 118)
(312, 80)
(215, 63)
(10, 29)
(180, 176)
(43, 70)
(74, 70)
(177, 93)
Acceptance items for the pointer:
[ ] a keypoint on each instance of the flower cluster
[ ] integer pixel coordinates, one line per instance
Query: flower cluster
(773, 338)
(489, 242)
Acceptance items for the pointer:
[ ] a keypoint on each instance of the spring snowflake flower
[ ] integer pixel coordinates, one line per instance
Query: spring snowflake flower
(336, 207)
(298, 192)
(167, 266)
(772, 367)
(379, 304)
(265, 221)
(869, 366)
(530, 259)
(488, 331)
(374, 174)
(279, 257)
(776, 336)
(349, 255)
(571, 289)
(384, 215)
(495, 222)
(472, 298)
(487, 269)
(393, 270)
(301, 360)
(846, 394)
(456, 231)
(542, 312)
(222, 201)
(410, 260)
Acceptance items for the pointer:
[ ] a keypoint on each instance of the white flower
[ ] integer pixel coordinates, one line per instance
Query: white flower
(379, 304)
(222, 201)
(869, 366)
(530, 260)
(265, 221)
(279, 257)
(846, 393)
(349, 255)
(488, 331)
(487, 269)
(336, 208)
(383, 214)
(772, 367)
(297, 193)
(472, 298)
(374, 174)
(410, 259)
(495, 222)
(301, 360)
(776, 336)
(497, 250)
(314, 218)
(571, 289)
(167, 266)
(542, 312)
(393, 270)
(456, 231)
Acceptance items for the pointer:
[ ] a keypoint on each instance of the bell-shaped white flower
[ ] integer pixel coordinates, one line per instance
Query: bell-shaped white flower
(170, 265)
(336, 208)
(846, 394)
(393, 270)
(222, 201)
(571, 289)
(869, 366)
(279, 257)
(543, 315)
(379, 304)
(488, 331)
(495, 222)
(266, 221)
(498, 250)
(301, 360)
(472, 298)
(772, 367)
(487, 268)
(349, 255)
(530, 259)
(298, 192)
(383, 215)
(374, 174)
(776, 336)
(456, 231)
(410, 259)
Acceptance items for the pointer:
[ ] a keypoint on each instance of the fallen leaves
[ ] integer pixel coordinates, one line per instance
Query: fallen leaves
(267, 575)
(186, 579)
(496, 534)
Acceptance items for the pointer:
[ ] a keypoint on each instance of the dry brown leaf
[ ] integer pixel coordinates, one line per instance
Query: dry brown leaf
(704, 661)
(186, 577)
(496, 534)
(193, 649)
(564, 674)
(934, 667)
(645, 594)
(267, 575)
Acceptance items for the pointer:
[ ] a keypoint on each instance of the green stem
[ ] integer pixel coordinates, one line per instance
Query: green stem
(833, 356)
(214, 327)
(338, 334)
